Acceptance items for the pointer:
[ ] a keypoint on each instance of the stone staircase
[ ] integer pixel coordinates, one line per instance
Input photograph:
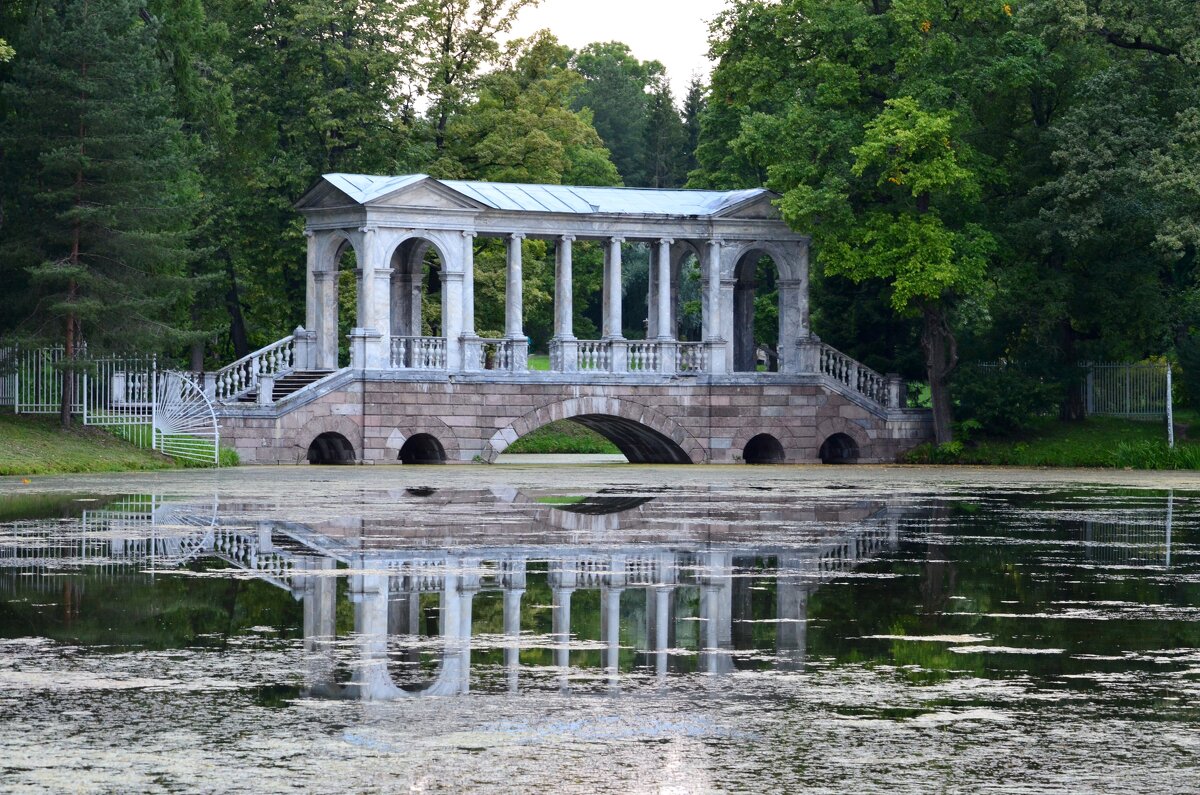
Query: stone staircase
(285, 385)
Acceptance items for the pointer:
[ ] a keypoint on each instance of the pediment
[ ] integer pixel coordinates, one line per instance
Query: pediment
(761, 207)
(324, 196)
(427, 194)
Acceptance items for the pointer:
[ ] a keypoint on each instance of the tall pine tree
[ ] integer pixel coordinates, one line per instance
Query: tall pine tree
(100, 187)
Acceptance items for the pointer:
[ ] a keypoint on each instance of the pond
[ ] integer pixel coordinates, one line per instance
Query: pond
(581, 630)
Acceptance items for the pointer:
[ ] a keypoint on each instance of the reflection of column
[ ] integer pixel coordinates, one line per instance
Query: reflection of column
(716, 619)
(513, 580)
(319, 597)
(369, 594)
(610, 629)
(561, 628)
(661, 610)
(791, 613)
(468, 587)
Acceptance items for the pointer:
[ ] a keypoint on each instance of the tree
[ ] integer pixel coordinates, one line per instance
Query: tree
(452, 40)
(615, 90)
(693, 109)
(665, 155)
(102, 190)
(521, 127)
(6, 52)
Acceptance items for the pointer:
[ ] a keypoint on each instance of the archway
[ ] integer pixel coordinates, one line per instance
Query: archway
(763, 449)
(330, 449)
(417, 296)
(839, 449)
(422, 448)
(756, 313)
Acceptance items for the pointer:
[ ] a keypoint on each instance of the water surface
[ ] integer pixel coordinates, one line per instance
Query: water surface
(579, 630)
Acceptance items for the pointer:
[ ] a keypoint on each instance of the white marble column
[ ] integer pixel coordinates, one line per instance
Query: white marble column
(612, 290)
(561, 628)
(713, 328)
(610, 628)
(468, 292)
(564, 296)
(312, 305)
(651, 293)
(665, 331)
(514, 304)
(327, 319)
(663, 595)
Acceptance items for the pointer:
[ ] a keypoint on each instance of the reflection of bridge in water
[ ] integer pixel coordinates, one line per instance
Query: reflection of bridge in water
(678, 580)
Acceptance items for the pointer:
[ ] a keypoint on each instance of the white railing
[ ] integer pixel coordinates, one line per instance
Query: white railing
(419, 353)
(243, 375)
(495, 355)
(643, 357)
(691, 357)
(859, 377)
(595, 356)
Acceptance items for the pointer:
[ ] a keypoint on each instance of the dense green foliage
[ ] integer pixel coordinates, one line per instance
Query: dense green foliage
(1013, 182)
(1020, 179)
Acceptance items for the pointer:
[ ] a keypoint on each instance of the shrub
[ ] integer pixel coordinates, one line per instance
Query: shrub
(1003, 399)
(1155, 455)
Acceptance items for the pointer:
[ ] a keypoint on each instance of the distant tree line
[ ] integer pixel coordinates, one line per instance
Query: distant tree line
(984, 181)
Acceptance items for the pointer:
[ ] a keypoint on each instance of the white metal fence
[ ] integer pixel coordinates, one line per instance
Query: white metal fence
(1126, 390)
(155, 409)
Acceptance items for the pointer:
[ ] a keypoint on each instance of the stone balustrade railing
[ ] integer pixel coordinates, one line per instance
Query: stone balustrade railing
(691, 357)
(595, 356)
(489, 354)
(243, 375)
(643, 357)
(862, 379)
(419, 353)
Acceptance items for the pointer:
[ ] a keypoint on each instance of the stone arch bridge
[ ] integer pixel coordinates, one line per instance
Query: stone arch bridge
(404, 387)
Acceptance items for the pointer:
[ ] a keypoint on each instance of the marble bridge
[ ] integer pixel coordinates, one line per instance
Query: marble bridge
(393, 392)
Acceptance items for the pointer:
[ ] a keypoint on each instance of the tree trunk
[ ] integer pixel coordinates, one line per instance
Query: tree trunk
(941, 357)
(237, 322)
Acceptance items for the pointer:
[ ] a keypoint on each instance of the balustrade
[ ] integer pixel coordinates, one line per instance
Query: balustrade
(691, 357)
(859, 377)
(595, 356)
(644, 357)
(419, 353)
(243, 375)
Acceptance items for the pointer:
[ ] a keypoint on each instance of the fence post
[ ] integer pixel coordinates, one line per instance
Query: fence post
(1170, 409)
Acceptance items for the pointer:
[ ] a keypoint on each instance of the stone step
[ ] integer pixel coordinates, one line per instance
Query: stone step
(286, 385)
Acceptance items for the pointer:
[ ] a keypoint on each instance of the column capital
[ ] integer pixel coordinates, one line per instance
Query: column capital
(790, 283)
(469, 235)
(667, 240)
(517, 236)
(716, 241)
(617, 240)
(384, 272)
(567, 238)
(368, 230)
(310, 234)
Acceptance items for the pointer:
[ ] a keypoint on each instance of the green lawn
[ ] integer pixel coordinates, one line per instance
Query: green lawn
(1094, 442)
(38, 446)
(539, 361)
(563, 437)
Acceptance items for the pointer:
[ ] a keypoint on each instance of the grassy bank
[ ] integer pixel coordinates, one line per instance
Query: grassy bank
(38, 446)
(563, 437)
(1094, 442)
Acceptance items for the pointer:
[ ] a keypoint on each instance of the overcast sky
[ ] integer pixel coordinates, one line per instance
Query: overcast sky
(672, 31)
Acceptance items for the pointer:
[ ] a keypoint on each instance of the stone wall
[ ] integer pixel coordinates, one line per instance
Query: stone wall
(681, 421)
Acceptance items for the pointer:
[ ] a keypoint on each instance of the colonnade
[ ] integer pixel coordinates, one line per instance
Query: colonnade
(389, 329)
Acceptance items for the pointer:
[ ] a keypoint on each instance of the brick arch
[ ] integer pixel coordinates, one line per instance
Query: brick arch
(793, 448)
(664, 438)
(834, 425)
(330, 424)
(431, 426)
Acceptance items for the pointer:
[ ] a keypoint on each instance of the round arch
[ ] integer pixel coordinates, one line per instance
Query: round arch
(318, 426)
(763, 449)
(412, 277)
(330, 449)
(401, 435)
(642, 434)
(850, 438)
(750, 281)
